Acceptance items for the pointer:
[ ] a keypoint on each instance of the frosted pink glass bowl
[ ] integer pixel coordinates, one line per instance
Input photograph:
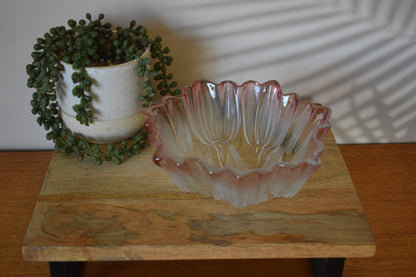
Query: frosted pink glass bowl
(240, 144)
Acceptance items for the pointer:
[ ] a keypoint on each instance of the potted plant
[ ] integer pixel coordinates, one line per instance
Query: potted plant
(91, 81)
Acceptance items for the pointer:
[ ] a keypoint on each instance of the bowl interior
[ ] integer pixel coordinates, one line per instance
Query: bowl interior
(244, 128)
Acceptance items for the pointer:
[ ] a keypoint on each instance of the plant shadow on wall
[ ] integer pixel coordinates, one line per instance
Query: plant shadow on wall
(355, 56)
(187, 54)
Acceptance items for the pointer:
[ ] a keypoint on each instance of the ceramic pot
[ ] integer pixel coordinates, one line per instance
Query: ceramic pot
(115, 104)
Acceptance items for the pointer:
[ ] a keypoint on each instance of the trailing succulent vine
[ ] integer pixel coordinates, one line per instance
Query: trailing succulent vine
(93, 43)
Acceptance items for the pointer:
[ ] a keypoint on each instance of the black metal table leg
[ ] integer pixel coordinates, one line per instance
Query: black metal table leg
(332, 267)
(65, 269)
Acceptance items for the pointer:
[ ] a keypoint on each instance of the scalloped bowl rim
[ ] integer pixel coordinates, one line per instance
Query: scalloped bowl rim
(313, 159)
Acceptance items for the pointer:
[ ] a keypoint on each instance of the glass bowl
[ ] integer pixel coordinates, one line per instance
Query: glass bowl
(240, 144)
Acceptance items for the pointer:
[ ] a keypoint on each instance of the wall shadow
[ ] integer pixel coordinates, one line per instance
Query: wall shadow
(185, 51)
(364, 51)
(355, 56)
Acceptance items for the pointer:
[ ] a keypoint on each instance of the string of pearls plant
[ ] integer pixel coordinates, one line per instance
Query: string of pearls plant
(93, 43)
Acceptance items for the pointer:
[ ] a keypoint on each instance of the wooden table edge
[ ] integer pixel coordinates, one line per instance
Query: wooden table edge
(196, 252)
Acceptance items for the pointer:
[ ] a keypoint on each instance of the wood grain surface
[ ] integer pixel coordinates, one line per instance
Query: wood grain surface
(135, 212)
(383, 175)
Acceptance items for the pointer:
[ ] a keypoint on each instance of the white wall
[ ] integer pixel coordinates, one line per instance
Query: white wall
(358, 57)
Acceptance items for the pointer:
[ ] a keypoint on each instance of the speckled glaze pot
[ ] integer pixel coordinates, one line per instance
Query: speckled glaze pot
(115, 102)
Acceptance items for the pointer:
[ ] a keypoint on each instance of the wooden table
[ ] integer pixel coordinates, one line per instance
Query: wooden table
(135, 212)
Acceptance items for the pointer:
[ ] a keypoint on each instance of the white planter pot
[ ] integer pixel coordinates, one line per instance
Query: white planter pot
(115, 104)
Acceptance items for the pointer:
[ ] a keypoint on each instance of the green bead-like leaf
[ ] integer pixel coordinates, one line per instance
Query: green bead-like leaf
(76, 77)
(72, 23)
